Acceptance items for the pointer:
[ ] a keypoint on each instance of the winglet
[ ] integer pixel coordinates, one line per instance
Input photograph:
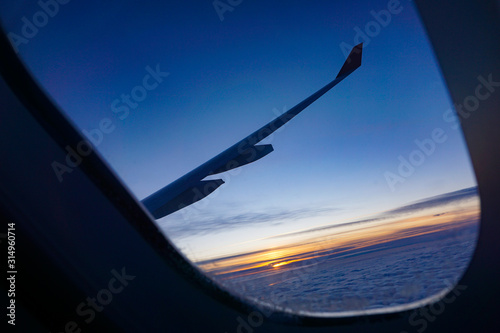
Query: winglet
(353, 61)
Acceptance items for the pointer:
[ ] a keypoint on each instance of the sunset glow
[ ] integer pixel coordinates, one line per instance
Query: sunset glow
(341, 241)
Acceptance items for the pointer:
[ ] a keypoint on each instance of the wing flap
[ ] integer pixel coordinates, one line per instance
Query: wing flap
(247, 156)
(186, 198)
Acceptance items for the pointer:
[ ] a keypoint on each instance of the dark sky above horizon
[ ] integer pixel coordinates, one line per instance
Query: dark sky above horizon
(226, 78)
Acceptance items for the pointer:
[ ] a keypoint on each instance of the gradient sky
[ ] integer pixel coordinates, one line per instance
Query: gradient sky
(226, 79)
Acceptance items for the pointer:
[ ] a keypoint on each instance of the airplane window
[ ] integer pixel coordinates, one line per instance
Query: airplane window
(305, 156)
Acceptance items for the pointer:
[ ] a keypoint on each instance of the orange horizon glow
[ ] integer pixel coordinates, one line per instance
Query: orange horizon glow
(345, 240)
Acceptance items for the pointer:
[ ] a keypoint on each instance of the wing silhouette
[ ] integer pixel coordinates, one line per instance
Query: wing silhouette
(191, 187)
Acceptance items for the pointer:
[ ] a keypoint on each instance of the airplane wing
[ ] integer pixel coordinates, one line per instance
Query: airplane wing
(191, 187)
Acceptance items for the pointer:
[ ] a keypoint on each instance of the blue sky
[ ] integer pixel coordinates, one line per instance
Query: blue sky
(226, 79)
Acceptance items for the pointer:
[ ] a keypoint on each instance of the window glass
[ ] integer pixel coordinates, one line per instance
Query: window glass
(369, 199)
